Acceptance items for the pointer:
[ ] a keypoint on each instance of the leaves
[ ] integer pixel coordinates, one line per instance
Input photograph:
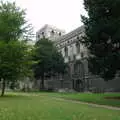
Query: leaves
(50, 61)
(102, 29)
(14, 59)
(12, 22)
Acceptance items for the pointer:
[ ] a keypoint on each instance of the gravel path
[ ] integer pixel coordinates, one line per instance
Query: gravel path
(78, 102)
(89, 104)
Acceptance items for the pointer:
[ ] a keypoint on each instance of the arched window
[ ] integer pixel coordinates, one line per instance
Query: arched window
(74, 57)
(78, 47)
(66, 51)
(52, 32)
(59, 33)
(82, 54)
(43, 33)
(38, 36)
(78, 38)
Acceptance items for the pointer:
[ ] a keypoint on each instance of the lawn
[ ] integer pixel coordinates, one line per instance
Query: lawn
(91, 98)
(39, 107)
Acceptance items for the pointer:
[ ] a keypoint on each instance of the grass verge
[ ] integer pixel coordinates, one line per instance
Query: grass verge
(35, 106)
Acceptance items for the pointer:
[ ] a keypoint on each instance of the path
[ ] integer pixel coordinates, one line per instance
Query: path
(89, 104)
(79, 102)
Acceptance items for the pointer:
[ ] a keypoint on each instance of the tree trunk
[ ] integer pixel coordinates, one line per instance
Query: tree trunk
(3, 87)
(42, 82)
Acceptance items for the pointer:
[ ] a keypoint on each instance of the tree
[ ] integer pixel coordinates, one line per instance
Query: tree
(102, 29)
(13, 25)
(15, 58)
(14, 61)
(49, 60)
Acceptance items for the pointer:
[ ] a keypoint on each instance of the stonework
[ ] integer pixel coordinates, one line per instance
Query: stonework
(75, 55)
(50, 32)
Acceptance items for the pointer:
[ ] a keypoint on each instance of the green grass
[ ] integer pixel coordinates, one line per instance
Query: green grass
(43, 106)
(91, 98)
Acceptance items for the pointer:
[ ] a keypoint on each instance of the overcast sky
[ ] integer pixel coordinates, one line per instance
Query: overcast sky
(64, 14)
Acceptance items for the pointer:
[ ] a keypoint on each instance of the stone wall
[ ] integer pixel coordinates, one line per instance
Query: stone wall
(109, 86)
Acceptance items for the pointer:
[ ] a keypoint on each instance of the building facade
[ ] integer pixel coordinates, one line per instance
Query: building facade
(75, 55)
(50, 32)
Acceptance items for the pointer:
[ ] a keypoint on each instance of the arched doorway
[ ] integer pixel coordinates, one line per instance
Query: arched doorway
(78, 85)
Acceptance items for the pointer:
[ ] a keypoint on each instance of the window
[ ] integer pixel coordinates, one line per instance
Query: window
(59, 33)
(78, 47)
(75, 68)
(52, 32)
(42, 33)
(82, 54)
(69, 58)
(66, 51)
(74, 57)
(77, 37)
(38, 36)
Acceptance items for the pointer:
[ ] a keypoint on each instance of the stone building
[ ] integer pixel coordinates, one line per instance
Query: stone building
(49, 31)
(75, 54)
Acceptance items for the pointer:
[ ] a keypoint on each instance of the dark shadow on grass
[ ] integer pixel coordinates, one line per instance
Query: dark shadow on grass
(113, 98)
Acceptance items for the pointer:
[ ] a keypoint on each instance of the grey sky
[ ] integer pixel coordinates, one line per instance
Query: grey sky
(64, 14)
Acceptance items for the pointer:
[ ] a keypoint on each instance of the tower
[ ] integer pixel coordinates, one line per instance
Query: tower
(50, 32)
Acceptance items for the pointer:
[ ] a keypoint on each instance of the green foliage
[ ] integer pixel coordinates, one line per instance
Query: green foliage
(49, 60)
(102, 29)
(14, 60)
(13, 25)
(15, 54)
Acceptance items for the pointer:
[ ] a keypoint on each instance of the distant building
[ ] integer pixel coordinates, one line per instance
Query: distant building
(75, 55)
(49, 31)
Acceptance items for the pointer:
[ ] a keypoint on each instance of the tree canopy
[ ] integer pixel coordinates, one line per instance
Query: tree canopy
(13, 25)
(102, 29)
(49, 60)
(15, 58)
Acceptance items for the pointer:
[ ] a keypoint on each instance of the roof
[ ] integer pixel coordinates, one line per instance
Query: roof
(73, 33)
(50, 26)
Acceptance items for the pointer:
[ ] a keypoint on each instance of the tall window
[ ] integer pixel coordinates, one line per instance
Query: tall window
(59, 33)
(66, 52)
(43, 34)
(82, 54)
(74, 57)
(78, 47)
(38, 36)
(52, 32)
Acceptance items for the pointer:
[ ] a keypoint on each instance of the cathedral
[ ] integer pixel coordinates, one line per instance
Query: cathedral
(75, 55)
